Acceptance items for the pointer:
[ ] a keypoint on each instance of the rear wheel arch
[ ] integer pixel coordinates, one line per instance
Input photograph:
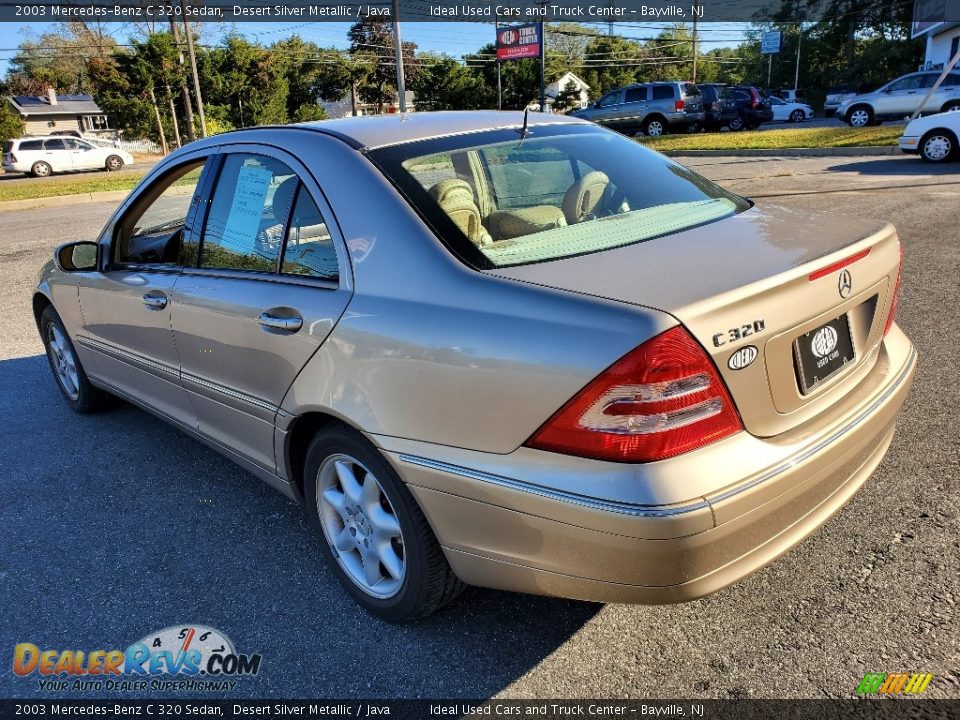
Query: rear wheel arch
(301, 433)
(950, 105)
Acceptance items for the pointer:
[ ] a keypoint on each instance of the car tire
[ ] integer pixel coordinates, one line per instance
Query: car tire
(41, 169)
(113, 163)
(938, 146)
(860, 116)
(797, 116)
(81, 396)
(655, 127)
(355, 501)
(737, 124)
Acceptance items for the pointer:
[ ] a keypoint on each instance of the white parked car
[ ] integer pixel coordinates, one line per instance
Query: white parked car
(784, 111)
(934, 137)
(42, 156)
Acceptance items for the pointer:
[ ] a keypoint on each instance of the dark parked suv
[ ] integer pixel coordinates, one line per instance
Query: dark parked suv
(753, 106)
(719, 106)
(653, 108)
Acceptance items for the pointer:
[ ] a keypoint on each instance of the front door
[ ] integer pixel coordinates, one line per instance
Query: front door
(267, 287)
(126, 306)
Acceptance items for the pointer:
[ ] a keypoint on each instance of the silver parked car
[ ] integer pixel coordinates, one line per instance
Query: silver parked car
(651, 108)
(901, 97)
(485, 348)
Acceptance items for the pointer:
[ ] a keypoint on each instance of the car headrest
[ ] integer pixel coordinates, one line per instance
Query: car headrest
(283, 196)
(584, 197)
(455, 197)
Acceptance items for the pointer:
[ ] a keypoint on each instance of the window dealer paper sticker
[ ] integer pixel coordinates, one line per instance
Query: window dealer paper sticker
(249, 199)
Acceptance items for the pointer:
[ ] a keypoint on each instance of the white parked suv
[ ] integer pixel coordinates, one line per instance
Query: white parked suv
(900, 98)
(41, 156)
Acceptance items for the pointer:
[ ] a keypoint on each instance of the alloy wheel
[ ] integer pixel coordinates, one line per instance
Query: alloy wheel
(361, 526)
(937, 148)
(860, 118)
(654, 128)
(797, 116)
(64, 363)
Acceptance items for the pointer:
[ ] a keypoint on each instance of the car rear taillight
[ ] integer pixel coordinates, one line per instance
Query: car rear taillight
(13, 158)
(660, 400)
(715, 106)
(896, 296)
(678, 105)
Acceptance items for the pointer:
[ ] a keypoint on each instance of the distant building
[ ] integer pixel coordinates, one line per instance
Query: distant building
(344, 107)
(50, 113)
(939, 22)
(560, 85)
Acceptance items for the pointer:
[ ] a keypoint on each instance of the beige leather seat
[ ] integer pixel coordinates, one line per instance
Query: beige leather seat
(506, 224)
(455, 197)
(585, 197)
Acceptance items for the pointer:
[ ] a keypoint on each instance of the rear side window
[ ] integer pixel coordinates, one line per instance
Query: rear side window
(638, 94)
(309, 249)
(31, 145)
(54, 145)
(662, 92)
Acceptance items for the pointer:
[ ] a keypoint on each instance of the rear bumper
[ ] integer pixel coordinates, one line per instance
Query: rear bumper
(509, 534)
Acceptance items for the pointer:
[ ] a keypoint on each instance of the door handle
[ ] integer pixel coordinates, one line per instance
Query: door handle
(155, 300)
(271, 322)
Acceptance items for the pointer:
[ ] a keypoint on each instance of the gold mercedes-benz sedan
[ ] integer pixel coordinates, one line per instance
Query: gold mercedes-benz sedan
(521, 352)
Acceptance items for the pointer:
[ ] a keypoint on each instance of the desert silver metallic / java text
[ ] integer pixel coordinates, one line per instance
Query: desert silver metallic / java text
(64, 363)
(361, 526)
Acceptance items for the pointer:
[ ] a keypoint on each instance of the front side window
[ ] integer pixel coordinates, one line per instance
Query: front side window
(152, 230)
(911, 82)
(610, 99)
(559, 192)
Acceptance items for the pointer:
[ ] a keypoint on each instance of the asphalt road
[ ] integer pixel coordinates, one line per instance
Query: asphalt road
(115, 525)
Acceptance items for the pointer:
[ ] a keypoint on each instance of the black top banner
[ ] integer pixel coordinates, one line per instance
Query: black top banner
(927, 12)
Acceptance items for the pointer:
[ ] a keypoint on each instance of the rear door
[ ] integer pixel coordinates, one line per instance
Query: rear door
(268, 283)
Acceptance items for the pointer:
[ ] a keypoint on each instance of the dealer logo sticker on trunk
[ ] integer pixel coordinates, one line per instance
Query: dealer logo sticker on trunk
(742, 357)
(824, 342)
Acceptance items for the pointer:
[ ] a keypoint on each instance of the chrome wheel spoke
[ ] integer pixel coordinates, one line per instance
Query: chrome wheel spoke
(385, 524)
(370, 494)
(371, 567)
(348, 481)
(336, 499)
(391, 561)
(345, 541)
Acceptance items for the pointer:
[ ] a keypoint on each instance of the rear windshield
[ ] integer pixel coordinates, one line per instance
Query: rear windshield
(498, 200)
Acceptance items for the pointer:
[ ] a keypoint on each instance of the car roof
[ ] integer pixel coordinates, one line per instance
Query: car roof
(381, 130)
(45, 137)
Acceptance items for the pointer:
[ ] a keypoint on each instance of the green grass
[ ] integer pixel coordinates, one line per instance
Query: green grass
(68, 185)
(778, 139)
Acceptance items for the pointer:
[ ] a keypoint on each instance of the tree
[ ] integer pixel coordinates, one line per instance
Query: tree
(59, 59)
(375, 38)
(11, 126)
(606, 64)
(444, 84)
(568, 98)
(247, 82)
(308, 112)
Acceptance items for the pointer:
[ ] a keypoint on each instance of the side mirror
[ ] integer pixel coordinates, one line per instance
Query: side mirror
(76, 256)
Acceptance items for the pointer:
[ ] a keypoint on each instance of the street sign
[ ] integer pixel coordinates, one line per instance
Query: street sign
(518, 41)
(770, 42)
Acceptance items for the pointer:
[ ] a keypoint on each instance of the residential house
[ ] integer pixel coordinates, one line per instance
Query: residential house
(52, 113)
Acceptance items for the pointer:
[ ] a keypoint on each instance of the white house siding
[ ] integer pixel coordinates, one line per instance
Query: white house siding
(938, 47)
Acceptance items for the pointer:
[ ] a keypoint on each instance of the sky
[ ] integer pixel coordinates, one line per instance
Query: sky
(451, 38)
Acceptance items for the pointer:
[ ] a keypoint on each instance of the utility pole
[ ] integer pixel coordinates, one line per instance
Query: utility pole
(156, 113)
(173, 115)
(695, 48)
(496, 28)
(543, 56)
(398, 43)
(769, 67)
(796, 75)
(193, 68)
(184, 92)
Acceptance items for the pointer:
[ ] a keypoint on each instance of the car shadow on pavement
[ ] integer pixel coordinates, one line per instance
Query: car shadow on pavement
(897, 166)
(116, 525)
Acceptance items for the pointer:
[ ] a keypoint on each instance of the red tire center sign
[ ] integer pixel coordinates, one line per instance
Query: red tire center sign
(518, 41)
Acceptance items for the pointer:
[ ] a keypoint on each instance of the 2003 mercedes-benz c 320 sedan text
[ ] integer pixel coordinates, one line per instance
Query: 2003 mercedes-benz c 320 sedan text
(528, 354)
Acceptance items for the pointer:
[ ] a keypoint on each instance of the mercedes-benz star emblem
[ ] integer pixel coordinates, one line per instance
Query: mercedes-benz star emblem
(845, 283)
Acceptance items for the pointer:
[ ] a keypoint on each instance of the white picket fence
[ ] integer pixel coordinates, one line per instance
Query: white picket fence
(137, 146)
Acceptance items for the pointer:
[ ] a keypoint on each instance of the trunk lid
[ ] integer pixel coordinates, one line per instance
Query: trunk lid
(767, 278)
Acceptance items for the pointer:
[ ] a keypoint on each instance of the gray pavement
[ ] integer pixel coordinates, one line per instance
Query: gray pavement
(114, 525)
